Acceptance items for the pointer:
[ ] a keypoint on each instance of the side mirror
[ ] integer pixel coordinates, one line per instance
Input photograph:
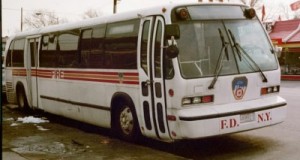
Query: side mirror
(172, 50)
(172, 30)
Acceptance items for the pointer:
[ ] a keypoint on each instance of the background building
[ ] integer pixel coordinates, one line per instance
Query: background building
(286, 34)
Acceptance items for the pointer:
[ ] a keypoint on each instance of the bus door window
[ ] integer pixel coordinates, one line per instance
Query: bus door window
(157, 51)
(144, 53)
(33, 51)
(9, 55)
(157, 58)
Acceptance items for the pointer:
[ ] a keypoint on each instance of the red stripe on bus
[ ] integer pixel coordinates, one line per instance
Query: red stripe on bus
(93, 76)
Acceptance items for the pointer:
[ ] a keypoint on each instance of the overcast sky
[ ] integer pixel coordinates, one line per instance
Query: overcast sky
(72, 10)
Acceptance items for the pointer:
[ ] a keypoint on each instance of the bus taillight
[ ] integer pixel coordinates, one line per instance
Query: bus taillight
(207, 99)
(268, 90)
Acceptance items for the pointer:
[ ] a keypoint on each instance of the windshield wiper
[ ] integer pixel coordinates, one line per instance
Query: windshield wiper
(240, 50)
(219, 63)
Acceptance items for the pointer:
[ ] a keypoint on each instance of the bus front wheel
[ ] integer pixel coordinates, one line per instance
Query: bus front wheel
(125, 123)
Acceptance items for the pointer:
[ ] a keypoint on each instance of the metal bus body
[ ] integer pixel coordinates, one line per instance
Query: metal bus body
(113, 72)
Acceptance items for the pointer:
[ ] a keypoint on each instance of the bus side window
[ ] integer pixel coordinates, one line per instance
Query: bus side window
(92, 48)
(85, 45)
(97, 56)
(48, 54)
(18, 53)
(121, 44)
(68, 45)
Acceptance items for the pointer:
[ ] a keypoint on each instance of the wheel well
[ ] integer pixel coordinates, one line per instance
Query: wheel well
(117, 99)
(19, 86)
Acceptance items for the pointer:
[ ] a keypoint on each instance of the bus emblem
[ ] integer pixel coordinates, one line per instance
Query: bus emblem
(239, 86)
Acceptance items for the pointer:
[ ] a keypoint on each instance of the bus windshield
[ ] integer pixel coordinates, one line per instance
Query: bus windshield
(201, 46)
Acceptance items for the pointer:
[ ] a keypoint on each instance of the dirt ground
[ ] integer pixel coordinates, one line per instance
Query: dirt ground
(62, 138)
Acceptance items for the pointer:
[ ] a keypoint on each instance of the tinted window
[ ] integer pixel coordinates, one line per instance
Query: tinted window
(9, 54)
(157, 50)
(144, 46)
(121, 45)
(48, 55)
(92, 50)
(33, 47)
(67, 49)
(18, 53)
(86, 46)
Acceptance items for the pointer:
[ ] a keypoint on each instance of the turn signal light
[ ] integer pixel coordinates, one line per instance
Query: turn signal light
(182, 13)
(250, 13)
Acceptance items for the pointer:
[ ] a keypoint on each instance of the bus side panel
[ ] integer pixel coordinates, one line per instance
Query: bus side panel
(75, 100)
(82, 97)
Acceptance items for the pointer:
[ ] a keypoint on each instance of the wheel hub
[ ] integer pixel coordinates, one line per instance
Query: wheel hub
(126, 121)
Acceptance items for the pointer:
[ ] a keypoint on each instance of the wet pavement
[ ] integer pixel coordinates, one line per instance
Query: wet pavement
(50, 137)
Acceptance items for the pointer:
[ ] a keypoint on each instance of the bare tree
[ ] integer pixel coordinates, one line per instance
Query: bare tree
(285, 13)
(40, 18)
(297, 15)
(91, 13)
(281, 12)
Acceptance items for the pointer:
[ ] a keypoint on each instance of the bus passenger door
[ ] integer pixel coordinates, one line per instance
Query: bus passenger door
(153, 111)
(31, 70)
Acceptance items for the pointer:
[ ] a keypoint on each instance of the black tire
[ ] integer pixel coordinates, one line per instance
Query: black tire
(21, 99)
(125, 122)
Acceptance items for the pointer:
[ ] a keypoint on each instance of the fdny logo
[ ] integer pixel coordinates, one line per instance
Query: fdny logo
(239, 86)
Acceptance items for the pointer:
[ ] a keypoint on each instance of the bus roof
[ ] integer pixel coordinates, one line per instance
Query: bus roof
(164, 8)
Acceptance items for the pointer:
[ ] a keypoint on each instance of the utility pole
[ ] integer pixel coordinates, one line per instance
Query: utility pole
(21, 18)
(115, 6)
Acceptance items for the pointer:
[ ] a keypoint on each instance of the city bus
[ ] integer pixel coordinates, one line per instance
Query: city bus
(175, 71)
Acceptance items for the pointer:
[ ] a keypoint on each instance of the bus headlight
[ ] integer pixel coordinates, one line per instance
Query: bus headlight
(197, 100)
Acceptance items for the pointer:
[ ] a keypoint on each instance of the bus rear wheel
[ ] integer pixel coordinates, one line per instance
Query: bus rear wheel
(126, 124)
(21, 99)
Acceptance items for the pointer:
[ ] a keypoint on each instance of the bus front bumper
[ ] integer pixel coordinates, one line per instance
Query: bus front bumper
(230, 118)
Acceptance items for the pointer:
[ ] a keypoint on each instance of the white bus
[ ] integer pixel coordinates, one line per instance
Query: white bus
(177, 71)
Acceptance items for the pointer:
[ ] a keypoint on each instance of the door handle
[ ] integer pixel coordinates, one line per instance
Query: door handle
(147, 83)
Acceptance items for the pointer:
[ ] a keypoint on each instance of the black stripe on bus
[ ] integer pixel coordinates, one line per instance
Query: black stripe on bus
(76, 103)
(231, 113)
